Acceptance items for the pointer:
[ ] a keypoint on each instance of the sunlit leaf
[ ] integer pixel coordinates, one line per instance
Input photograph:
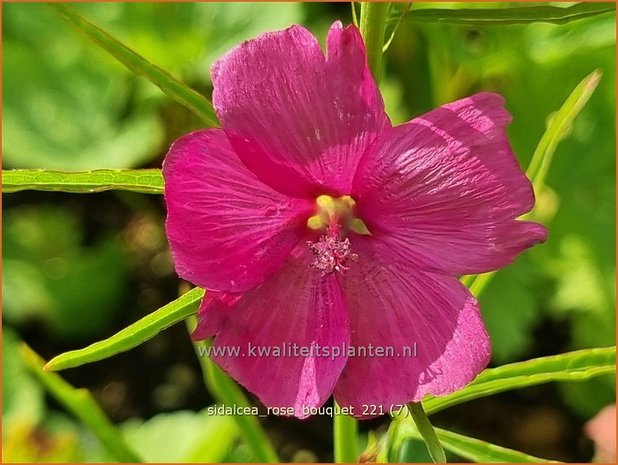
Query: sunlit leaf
(515, 15)
(472, 449)
(65, 109)
(133, 335)
(558, 127)
(426, 432)
(196, 436)
(572, 366)
(148, 181)
(168, 84)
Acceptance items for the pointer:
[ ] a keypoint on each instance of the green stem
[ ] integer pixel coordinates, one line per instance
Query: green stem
(226, 391)
(427, 432)
(373, 16)
(81, 404)
(345, 439)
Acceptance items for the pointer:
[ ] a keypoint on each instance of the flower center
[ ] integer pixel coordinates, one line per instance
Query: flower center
(332, 251)
(339, 210)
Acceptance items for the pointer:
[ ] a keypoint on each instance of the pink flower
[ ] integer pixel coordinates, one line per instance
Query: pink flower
(311, 220)
(602, 430)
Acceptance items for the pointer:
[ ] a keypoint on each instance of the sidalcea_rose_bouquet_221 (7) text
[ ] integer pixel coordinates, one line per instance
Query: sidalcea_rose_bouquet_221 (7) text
(312, 221)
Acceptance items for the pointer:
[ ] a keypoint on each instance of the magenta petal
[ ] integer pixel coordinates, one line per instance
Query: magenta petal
(227, 230)
(213, 313)
(298, 120)
(297, 306)
(394, 305)
(445, 189)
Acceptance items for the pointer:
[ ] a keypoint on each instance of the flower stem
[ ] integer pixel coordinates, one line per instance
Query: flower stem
(81, 404)
(373, 17)
(225, 391)
(345, 438)
(427, 432)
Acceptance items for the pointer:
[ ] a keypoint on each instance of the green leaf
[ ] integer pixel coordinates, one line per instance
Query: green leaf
(147, 181)
(227, 392)
(426, 432)
(473, 449)
(477, 282)
(404, 11)
(558, 127)
(481, 451)
(81, 404)
(133, 61)
(132, 336)
(345, 438)
(572, 366)
(65, 109)
(196, 436)
(517, 15)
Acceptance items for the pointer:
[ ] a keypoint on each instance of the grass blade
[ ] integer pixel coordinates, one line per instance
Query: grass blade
(132, 336)
(473, 449)
(175, 89)
(147, 181)
(81, 404)
(482, 451)
(515, 15)
(557, 129)
(579, 365)
(227, 392)
(426, 432)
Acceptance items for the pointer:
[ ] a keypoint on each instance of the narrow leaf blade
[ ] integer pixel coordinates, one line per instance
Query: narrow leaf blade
(147, 181)
(556, 129)
(473, 449)
(175, 89)
(572, 366)
(132, 336)
(481, 451)
(515, 15)
(427, 432)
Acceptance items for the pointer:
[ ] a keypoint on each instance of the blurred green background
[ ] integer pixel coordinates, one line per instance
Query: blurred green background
(78, 268)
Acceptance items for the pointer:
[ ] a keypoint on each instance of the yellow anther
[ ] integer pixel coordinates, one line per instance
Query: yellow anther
(359, 227)
(340, 210)
(325, 202)
(315, 222)
(347, 200)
